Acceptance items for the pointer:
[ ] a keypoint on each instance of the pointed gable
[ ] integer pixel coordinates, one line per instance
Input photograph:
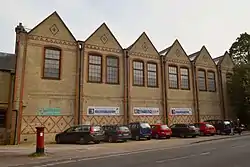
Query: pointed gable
(176, 53)
(53, 27)
(203, 58)
(103, 37)
(143, 45)
(218, 60)
(227, 61)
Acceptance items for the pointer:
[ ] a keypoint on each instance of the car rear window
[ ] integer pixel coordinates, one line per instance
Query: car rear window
(96, 128)
(145, 125)
(209, 126)
(164, 127)
(123, 128)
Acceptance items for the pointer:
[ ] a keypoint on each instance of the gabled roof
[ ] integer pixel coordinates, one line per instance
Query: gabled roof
(54, 13)
(7, 61)
(165, 51)
(144, 33)
(193, 56)
(105, 25)
(218, 60)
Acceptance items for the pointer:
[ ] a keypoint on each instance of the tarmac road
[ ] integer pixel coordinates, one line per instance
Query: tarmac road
(233, 152)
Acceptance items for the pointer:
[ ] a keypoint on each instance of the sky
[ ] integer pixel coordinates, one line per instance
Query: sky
(214, 23)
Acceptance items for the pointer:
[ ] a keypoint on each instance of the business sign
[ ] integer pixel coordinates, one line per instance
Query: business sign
(180, 111)
(49, 112)
(146, 111)
(103, 111)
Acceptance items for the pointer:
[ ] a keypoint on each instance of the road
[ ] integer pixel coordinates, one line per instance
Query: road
(233, 152)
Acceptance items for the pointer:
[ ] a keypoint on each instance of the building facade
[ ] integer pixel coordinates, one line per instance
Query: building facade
(60, 81)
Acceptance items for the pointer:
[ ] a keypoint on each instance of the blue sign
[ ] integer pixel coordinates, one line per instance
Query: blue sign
(146, 111)
(103, 111)
(49, 112)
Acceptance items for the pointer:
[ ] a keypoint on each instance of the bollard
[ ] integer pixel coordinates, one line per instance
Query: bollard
(40, 140)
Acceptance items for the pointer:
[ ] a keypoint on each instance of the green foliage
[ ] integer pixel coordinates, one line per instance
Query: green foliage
(239, 50)
(239, 92)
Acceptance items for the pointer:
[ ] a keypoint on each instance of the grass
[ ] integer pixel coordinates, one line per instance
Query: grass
(34, 155)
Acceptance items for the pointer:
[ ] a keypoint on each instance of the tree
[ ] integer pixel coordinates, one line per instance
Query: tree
(239, 92)
(239, 84)
(239, 50)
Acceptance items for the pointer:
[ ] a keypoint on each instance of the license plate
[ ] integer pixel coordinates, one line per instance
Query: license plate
(125, 134)
(167, 133)
(145, 136)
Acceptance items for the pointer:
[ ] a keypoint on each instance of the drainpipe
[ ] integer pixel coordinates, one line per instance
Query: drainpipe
(10, 106)
(221, 91)
(81, 51)
(164, 90)
(126, 87)
(195, 93)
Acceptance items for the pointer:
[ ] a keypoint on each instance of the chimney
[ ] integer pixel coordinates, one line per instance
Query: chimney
(20, 29)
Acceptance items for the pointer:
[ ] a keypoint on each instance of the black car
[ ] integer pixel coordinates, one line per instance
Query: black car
(140, 130)
(184, 130)
(222, 126)
(82, 134)
(114, 133)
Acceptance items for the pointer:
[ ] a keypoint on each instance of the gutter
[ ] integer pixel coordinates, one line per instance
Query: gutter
(81, 53)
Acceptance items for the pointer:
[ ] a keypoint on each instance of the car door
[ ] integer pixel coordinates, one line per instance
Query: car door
(68, 136)
(174, 129)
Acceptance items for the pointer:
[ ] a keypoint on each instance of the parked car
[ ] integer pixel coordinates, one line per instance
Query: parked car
(161, 131)
(81, 134)
(140, 130)
(222, 126)
(205, 128)
(184, 130)
(114, 133)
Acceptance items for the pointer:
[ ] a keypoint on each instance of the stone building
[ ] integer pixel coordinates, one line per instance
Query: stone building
(60, 81)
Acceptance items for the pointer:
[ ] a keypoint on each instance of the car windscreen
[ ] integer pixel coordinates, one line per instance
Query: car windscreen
(209, 126)
(145, 125)
(164, 127)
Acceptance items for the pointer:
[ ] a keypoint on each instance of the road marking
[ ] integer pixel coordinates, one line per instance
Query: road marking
(205, 153)
(239, 146)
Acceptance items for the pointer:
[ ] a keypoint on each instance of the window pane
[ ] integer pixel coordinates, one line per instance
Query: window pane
(138, 65)
(94, 73)
(152, 74)
(201, 80)
(112, 75)
(173, 81)
(211, 81)
(138, 77)
(52, 63)
(95, 59)
(111, 61)
(172, 70)
(184, 78)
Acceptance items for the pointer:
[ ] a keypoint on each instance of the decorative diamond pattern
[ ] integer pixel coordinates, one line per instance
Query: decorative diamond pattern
(207, 117)
(53, 29)
(145, 46)
(104, 39)
(181, 119)
(103, 120)
(148, 119)
(52, 124)
(178, 52)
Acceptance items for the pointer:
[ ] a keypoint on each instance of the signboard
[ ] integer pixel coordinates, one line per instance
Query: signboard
(180, 111)
(103, 111)
(49, 112)
(146, 111)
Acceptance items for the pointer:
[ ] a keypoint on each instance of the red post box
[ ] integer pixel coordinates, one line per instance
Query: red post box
(40, 140)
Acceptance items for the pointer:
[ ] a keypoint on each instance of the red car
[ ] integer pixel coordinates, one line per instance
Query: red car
(161, 131)
(205, 128)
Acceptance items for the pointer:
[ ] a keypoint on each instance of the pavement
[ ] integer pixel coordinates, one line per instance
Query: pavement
(60, 154)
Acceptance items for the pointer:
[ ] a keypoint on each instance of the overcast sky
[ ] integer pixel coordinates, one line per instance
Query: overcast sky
(214, 23)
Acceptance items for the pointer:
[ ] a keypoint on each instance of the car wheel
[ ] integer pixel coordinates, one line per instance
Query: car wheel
(58, 140)
(110, 139)
(157, 136)
(97, 141)
(82, 141)
(194, 136)
(148, 138)
(182, 135)
(202, 134)
(137, 138)
(168, 137)
(125, 140)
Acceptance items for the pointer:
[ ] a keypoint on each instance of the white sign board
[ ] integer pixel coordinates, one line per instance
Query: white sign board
(180, 111)
(146, 111)
(103, 111)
